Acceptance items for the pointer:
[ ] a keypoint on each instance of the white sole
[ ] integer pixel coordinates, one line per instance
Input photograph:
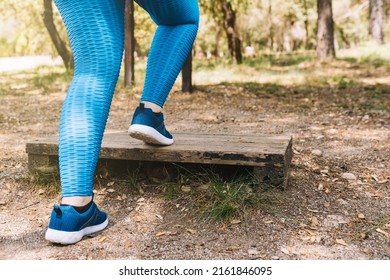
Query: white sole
(66, 238)
(148, 135)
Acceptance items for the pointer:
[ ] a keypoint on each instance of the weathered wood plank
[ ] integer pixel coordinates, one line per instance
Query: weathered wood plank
(270, 155)
(248, 150)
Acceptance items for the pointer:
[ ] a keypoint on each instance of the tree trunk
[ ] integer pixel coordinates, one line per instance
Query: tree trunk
(59, 44)
(270, 27)
(129, 43)
(186, 74)
(325, 32)
(229, 22)
(306, 21)
(377, 21)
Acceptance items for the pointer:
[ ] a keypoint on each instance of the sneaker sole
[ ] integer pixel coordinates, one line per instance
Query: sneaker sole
(71, 237)
(149, 135)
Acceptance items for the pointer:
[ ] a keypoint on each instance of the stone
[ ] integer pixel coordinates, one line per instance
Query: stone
(348, 176)
(316, 152)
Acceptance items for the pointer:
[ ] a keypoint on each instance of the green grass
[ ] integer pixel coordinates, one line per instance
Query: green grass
(217, 198)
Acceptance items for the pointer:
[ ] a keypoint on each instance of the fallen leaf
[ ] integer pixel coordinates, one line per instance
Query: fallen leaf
(161, 233)
(4, 203)
(327, 190)
(361, 216)
(310, 232)
(101, 239)
(160, 217)
(186, 189)
(382, 181)
(285, 251)
(314, 222)
(375, 178)
(313, 239)
(235, 222)
(141, 200)
(382, 231)
(341, 242)
(137, 219)
(268, 222)
(110, 184)
(320, 187)
(192, 231)
(110, 190)
(41, 191)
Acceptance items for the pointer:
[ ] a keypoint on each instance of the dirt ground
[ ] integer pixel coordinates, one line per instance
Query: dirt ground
(337, 129)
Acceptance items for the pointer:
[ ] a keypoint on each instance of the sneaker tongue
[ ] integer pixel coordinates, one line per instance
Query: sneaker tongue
(142, 106)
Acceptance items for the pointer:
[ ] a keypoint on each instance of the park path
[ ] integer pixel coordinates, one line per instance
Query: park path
(20, 63)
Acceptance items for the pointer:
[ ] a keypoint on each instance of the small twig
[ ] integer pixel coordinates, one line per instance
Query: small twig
(24, 207)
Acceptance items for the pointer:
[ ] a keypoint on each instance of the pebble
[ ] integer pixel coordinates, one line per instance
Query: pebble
(320, 187)
(348, 176)
(3, 203)
(252, 252)
(332, 131)
(275, 257)
(317, 153)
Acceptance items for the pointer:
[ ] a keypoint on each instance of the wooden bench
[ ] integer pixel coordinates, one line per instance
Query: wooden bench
(269, 156)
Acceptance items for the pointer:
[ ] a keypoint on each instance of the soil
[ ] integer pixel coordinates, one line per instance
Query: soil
(337, 129)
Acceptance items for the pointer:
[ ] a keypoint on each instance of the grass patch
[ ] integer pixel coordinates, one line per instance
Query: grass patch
(218, 198)
(46, 178)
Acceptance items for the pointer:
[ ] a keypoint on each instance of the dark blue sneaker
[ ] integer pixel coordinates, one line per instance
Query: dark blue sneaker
(67, 226)
(149, 127)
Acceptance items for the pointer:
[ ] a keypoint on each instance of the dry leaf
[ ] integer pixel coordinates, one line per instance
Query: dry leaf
(314, 222)
(361, 216)
(192, 231)
(310, 232)
(341, 242)
(41, 191)
(313, 239)
(101, 239)
(235, 222)
(186, 189)
(137, 219)
(161, 233)
(110, 190)
(141, 200)
(268, 222)
(375, 178)
(160, 217)
(327, 190)
(285, 251)
(382, 231)
(110, 184)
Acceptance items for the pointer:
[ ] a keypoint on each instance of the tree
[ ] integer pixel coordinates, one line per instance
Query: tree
(229, 24)
(224, 12)
(325, 30)
(377, 21)
(59, 44)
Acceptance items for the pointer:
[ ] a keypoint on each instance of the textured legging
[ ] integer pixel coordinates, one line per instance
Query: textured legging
(96, 33)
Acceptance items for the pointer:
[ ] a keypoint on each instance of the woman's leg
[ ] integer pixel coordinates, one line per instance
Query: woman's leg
(177, 22)
(95, 29)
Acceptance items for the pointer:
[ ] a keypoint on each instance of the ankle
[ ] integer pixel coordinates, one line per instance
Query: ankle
(154, 107)
(77, 201)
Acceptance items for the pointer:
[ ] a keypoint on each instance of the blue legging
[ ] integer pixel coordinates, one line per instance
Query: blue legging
(96, 33)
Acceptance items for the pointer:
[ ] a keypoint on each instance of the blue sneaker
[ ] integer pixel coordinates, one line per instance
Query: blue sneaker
(67, 226)
(149, 127)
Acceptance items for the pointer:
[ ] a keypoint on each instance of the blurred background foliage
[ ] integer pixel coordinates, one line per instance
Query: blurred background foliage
(265, 25)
